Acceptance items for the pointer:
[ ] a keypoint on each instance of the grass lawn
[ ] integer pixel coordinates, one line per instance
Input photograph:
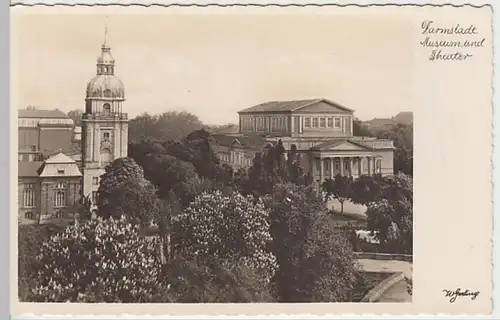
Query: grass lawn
(343, 219)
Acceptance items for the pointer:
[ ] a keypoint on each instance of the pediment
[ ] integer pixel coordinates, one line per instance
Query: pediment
(322, 107)
(347, 146)
(344, 146)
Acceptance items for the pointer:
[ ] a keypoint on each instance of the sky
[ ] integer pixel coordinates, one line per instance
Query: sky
(214, 65)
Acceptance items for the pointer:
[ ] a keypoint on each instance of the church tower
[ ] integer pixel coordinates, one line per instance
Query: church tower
(104, 125)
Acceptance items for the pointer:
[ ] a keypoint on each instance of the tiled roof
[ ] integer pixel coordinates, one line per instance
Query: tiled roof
(381, 122)
(37, 113)
(247, 141)
(72, 149)
(287, 106)
(28, 169)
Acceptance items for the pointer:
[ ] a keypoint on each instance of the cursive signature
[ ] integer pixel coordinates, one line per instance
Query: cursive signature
(460, 293)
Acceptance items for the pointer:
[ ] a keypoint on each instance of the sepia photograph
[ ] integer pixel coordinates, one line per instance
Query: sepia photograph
(188, 158)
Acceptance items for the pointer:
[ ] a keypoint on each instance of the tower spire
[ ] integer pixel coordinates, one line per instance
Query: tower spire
(105, 30)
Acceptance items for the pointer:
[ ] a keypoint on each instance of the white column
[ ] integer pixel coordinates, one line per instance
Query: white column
(321, 170)
(341, 166)
(313, 167)
(360, 167)
(369, 166)
(351, 166)
(332, 166)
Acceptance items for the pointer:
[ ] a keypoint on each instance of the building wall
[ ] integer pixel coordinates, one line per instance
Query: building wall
(236, 157)
(271, 123)
(323, 125)
(55, 138)
(298, 125)
(90, 176)
(44, 209)
(387, 163)
(23, 208)
(27, 138)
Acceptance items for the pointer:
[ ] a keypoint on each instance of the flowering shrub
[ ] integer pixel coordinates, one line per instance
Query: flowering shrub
(98, 261)
(225, 228)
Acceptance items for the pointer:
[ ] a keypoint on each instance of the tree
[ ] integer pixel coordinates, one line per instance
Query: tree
(170, 125)
(226, 228)
(76, 116)
(359, 129)
(314, 263)
(84, 208)
(197, 148)
(338, 188)
(295, 171)
(30, 241)
(402, 137)
(391, 218)
(135, 199)
(98, 261)
(117, 173)
(271, 167)
(169, 173)
(366, 189)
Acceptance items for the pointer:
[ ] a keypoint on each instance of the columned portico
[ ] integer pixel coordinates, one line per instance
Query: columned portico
(328, 166)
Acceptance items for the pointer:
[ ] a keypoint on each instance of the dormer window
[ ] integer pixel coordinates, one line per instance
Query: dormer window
(60, 171)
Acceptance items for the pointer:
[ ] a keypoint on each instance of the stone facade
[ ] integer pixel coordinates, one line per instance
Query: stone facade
(321, 130)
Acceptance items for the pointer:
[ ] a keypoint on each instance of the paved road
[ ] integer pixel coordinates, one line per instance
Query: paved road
(398, 292)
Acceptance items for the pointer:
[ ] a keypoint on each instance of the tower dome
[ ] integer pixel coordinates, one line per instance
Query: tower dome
(105, 85)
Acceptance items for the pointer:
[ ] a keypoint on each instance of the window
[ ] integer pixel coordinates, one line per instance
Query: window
(307, 122)
(106, 108)
(29, 195)
(105, 135)
(337, 122)
(94, 197)
(322, 122)
(29, 215)
(314, 122)
(95, 181)
(19, 157)
(59, 214)
(60, 195)
(60, 171)
(330, 122)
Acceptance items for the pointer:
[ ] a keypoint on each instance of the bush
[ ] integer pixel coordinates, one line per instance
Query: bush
(224, 227)
(213, 282)
(30, 240)
(98, 261)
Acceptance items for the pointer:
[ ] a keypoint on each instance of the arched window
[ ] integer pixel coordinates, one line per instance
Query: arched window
(106, 107)
(106, 156)
(60, 195)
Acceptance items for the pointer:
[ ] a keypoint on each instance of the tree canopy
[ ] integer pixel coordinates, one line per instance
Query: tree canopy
(170, 125)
